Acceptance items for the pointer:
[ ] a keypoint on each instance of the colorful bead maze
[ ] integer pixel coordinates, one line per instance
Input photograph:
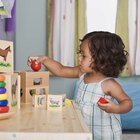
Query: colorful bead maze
(4, 108)
(9, 81)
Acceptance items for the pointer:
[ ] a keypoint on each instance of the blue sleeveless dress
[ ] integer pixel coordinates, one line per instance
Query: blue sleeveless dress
(103, 125)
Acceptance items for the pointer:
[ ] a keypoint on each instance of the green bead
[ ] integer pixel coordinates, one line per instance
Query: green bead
(2, 84)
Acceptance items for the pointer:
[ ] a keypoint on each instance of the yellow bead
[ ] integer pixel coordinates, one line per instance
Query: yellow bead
(3, 96)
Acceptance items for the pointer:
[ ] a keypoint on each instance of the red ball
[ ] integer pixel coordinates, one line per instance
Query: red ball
(35, 66)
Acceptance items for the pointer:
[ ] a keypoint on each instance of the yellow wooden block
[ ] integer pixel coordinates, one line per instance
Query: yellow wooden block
(67, 102)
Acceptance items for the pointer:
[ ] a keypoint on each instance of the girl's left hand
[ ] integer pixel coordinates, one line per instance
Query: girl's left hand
(109, 107)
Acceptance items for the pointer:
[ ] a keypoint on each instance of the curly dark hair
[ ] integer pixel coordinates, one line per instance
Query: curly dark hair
(107, 51)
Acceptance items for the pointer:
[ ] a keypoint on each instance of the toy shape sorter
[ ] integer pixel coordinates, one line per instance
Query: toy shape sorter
(34, 83)
(6, 56)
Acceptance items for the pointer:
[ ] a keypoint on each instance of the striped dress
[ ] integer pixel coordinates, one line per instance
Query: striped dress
(104, 126)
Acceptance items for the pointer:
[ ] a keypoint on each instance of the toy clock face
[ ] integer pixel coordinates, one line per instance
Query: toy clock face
(35, 66)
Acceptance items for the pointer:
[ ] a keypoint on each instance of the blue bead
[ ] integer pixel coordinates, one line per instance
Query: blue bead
(3, 102)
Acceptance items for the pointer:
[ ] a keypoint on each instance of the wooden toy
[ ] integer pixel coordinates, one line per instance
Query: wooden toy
(3, 96)
(102, 100)
(2, 84)
(68, 102)
(54, 102)
(6, 56)
(2, 78)
(2, 89)
(39, 101)
(4, 109)
(33, 83)
(3, 102)
(12, 91)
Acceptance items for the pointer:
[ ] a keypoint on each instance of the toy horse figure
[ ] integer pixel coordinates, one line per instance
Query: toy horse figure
(3, 53)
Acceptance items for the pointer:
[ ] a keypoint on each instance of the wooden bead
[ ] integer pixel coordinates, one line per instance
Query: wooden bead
(4, 109)
(2, 84)
(3, 96)
(2, 77)
(2, 90)
(3, 102)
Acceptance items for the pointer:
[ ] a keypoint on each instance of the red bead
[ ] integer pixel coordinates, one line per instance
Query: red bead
(4, 109)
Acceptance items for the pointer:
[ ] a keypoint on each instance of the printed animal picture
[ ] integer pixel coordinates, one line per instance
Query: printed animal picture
(14, 88)
(54, 102)
(4, 52)
(6, 56)
(39, 100)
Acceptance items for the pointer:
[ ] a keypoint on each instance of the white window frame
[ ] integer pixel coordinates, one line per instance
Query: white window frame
(101, 15)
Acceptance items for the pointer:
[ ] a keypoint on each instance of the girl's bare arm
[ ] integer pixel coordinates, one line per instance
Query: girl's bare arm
(56, 68)
(114, 89)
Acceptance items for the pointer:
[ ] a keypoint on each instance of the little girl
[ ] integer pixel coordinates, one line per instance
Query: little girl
(101, 59)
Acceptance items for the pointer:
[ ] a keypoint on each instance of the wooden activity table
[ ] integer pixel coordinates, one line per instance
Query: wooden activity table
(31, 123)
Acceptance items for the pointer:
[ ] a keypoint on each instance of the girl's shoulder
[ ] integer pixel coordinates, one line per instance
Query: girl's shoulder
(107, 80)
(81, 76)
(109, 84)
